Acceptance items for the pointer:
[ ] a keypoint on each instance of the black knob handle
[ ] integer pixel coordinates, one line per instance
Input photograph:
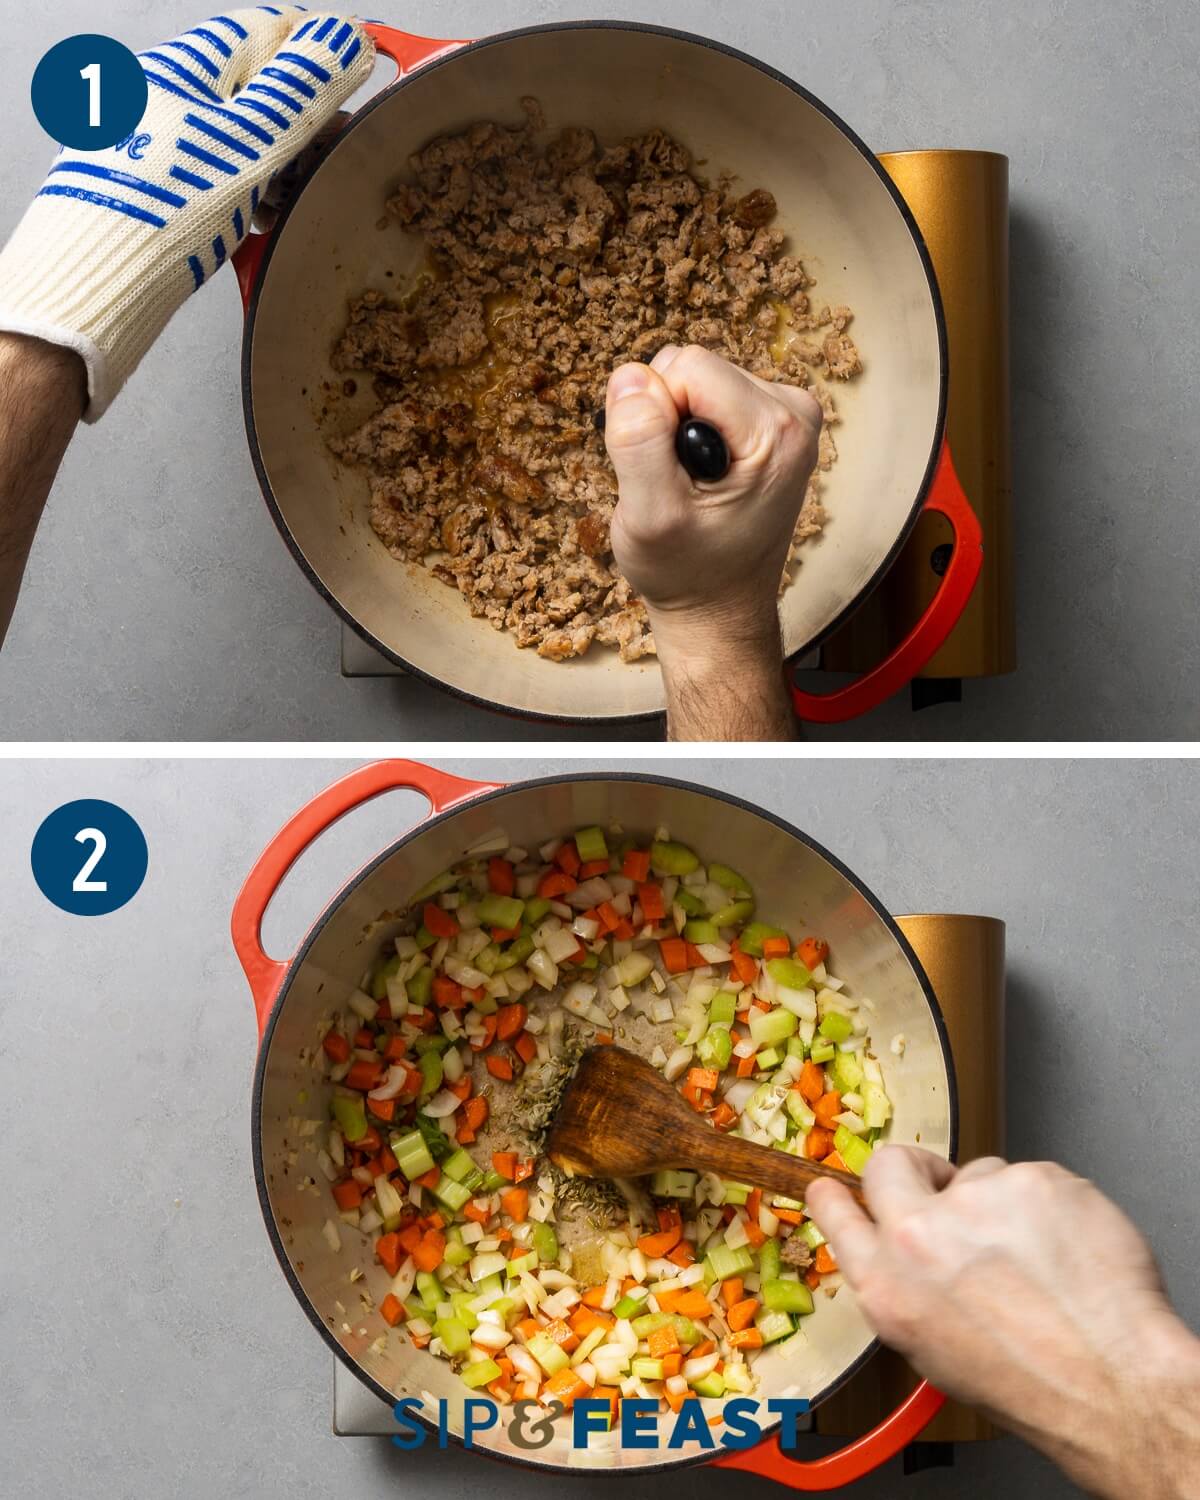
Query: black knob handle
(699, 446)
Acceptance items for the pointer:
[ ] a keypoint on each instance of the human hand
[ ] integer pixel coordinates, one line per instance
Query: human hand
(707, 558)
(1023, 1291)
(116, 240)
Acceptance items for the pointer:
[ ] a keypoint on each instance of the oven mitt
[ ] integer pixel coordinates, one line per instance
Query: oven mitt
(116, 240)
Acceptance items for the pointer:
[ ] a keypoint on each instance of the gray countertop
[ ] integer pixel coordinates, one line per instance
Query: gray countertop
(151, 1345)
(161, 604)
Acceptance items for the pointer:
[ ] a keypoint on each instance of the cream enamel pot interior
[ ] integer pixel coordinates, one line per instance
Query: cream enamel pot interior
(738, 115)
(797, 883)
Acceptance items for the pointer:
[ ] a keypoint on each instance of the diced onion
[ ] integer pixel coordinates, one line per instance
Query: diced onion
(443, 1104)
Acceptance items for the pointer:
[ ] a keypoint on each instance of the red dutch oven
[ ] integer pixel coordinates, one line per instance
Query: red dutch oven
(737, 115)
(797, 883)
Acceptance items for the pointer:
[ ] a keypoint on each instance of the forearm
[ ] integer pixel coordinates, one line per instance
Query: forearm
(724, 684)
(42, 392)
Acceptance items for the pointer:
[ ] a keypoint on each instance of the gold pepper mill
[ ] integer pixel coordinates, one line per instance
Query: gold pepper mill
(964, 959)
(960, 202)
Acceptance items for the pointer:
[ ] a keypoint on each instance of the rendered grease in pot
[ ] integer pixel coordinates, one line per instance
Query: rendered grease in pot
(446, 1067)
(548, 265)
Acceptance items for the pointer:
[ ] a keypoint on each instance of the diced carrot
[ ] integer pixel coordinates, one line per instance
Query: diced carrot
(515, 1203)
(608, 1393)
(824, 1261)
(675, 1399)
(505, 934)
(788, 1215)
(431, 1178)
(556, 884)
(774, 947)
(421, 1340)
(662, 1341)
(731, 1290)
(435, 1220)
(504, 1236)
(636, 865)
(561, 1332)
(745, 1066)
(624, 931)
(826, 1107)
(387, 1160)
(724, 1115)
(566, 857)
(566, 1386)
(390, 1252)
(509, 1020)
(608, 916)
(657, 1245)
(812, 1278)
(499, 1067)
(477, 1210)
(753, 1202)
(818, 1143)
(347, 1194)
(461, 1089)
(689, 1302)
(423, 1020)
(674, 955)
(370, 1143)
(505, 1162)
(603, 1039)
(834, 1159)
(701, 1349)
(695, 959)
(683, 1255)
(754, 1233)
(489, 1034)
(585, 1320)
(672, 1363)
(592, 868)
(364, 1038)
(335, 1046)
(527, 1327)
(650, 899)
(703, 1078)
(745, 967)
(526, 1048)
(741, 1314)
(410, 1236)
(429, 1253)
(395, 1049)
(812, 951)
(594, 1296)
(699, 1099)
(392, 1310)
(382, 1109)
(363, 1074)
(501, 877)
(442, 923)
(448, 994)
(669, 1216)
(812, 1081)
(746, 1338)
(475, 1112)
(524, 1169)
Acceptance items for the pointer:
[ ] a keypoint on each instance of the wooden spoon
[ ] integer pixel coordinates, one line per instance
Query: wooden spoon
(619, 1117)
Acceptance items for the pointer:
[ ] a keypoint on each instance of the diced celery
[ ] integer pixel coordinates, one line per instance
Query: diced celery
(412, 1154)
(734, 914)
(835, 1026)
(789, 972)
(457, 1254)
(645, 1325)
(853, 1150)
(490, 1287)
(545, 1242)
(535, 909)
(486, 1004)
(796, 1047)
(697, 930)
(424, 938)
(770, 1026)
(802, 1116)
(687, 1332)
(519, 1263)
(548, 1354)
(770, 1259)
(822, 1051)
(712, 1384)
(382, 974)
(517, 952)
(434, 1137)
(673, 859)
(753, 937)
(810, 1234)
(786, 1296)
(351, 1116)
(430, 1064)
(485, 960)
(435, 1043)
(501, 911)
(493, 1181)
(774, 1326)
(689, 902)
(454, 1195)
(591, 844)
(482, 1372)
(420, 987)
(736, 1192)
(462, 1308)
(765, 1061)
(729, 879)
(723, 1007)
(674, 1184)
(625, 1307)
(459, 1165)
(847, 1072)
(429, 1288)
(503, 1305)
(434, 887)
(455, 1335)
(646, 1369)
(877, 1107)
(715, 1047)
(727, 1262)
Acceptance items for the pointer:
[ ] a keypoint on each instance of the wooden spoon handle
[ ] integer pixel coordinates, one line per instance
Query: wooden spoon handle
(737, 1160)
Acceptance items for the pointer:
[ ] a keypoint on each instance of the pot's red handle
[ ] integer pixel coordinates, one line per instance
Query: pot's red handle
(407, 52)
(264, 973)
(852, 1462)
(946, 495)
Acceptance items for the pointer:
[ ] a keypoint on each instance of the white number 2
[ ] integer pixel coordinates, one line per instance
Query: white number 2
(92, 74)
(93, 836)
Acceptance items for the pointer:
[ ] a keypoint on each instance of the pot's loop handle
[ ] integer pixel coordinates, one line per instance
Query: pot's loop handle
(946, 496)
(264, 973)
(407, 52)
(853, 1461)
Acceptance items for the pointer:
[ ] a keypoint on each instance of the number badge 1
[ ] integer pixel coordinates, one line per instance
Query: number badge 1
(89, 858)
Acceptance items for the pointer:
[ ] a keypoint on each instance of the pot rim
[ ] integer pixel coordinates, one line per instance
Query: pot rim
(335, 904)
(264, 482)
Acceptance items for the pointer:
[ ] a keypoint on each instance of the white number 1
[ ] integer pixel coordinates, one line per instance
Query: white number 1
(92, 74)
(93, 836)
